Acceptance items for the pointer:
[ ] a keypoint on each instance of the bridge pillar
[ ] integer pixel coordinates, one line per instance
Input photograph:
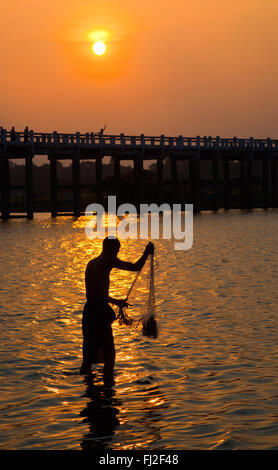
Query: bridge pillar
(174, 180)
(242, 182)
(29, 186)
(5, 186)
(138, 179)
(117, 174)
(99, 179)
(53, 185)
(76, 186)
(249, 192)
(195, 182)
(265, 180)
(226, 183)
(159, 179)
(216, 182)
(274, 181)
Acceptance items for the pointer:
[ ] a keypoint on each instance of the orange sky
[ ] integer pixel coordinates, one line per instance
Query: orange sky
(196, 67)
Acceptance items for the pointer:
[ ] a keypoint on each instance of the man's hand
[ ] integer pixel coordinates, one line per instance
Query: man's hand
(119, 302)
(122, 303)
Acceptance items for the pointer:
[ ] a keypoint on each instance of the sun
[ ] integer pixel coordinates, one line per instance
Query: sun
(99, 48)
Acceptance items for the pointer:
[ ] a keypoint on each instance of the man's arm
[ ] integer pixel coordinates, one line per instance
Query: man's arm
(127, 266)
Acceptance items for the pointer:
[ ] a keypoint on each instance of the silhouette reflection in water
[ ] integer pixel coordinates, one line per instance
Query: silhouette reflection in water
(100, 413)
(140, 425)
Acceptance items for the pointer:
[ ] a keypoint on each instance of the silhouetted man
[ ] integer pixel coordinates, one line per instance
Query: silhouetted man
(98, 315)
(13, 134)
(102, 130)
(26, 134)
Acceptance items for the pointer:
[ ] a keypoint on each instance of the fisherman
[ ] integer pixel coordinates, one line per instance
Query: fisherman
(102, 131)
(98, 315)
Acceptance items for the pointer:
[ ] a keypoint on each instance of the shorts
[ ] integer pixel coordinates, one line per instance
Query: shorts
(97, 319)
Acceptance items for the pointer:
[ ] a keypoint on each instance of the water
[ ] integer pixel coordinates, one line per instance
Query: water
(210, 381)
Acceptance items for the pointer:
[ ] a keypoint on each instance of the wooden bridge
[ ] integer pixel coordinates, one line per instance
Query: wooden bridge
(94, 146)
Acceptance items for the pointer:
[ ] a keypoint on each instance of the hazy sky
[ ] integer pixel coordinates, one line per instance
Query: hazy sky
(198, 67)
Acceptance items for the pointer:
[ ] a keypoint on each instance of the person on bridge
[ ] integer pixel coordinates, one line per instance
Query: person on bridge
(98, 315)
(13, 134)
(26, 134)
(102, 130)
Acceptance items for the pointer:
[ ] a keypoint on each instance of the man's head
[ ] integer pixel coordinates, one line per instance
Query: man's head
(111, 246)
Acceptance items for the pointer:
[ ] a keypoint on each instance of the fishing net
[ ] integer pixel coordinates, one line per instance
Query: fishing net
(149, 320)
(149, 317)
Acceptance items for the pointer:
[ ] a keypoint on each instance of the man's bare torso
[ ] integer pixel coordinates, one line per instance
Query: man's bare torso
(97, 278)
(98, 272)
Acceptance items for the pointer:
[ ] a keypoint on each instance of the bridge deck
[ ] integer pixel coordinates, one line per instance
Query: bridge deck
(42, 142)
(77, 146)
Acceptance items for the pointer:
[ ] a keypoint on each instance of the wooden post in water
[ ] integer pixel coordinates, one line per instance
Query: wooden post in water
(242, 182)
(249, 192)
(226, 183)
(265, 180)
(195, 182)
(53, 185)
(198, 184)
(216, 181)
(174, 180)
(5, 186)
(117, 174)
(29, 186)
(159, 179)
(99, 179)
(76, 185)
(138, 180)
(274, 181)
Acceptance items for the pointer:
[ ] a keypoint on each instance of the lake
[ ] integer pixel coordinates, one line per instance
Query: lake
(210, 379)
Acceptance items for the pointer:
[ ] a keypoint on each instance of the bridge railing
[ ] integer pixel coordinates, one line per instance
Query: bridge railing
(121, 140)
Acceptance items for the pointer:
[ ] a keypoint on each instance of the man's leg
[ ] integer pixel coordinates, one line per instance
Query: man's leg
(109, 358)
(86, 364)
